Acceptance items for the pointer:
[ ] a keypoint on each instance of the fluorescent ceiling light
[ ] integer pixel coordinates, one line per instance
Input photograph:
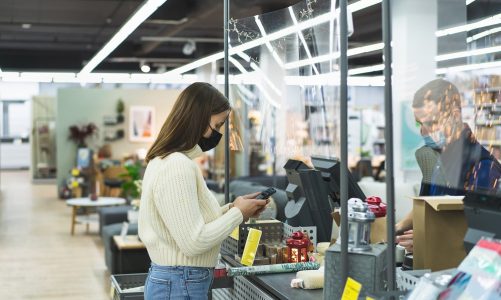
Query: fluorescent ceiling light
(237, 64)
(334, 55)
(483, 34)
(96, 78)
(252, 80)
(362, 4)
(130, 25)
(303, 41)
(272, 36)
(492, 64)
(333, 79)
(366, 69)
(468, 2)
(467, 53)
(268, 44)
(493, 20)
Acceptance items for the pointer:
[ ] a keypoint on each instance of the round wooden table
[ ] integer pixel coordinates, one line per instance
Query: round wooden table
(86, 203)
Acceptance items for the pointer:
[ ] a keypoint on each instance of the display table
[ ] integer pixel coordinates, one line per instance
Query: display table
(269, 286)
(129, 242)
(86, 203)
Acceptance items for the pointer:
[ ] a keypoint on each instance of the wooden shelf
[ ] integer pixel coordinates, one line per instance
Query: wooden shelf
(488, 90)
(490, 142)
(488, 123)
(488, 104)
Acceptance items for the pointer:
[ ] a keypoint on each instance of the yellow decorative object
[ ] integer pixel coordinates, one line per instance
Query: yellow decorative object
(251, 245)
(234, 233)
(74, 184)
(75, 172)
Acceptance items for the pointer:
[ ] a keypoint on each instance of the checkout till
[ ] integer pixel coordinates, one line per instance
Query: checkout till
(300, 259)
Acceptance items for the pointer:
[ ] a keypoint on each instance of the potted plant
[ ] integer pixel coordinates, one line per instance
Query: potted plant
(120, 110)
(132, 181)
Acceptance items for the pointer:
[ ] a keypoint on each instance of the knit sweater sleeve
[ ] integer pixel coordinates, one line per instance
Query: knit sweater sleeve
(178, 206)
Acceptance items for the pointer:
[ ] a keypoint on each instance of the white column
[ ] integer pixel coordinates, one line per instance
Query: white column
(414, 24)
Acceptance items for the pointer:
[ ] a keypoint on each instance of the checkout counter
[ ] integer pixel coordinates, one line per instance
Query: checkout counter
(263, 287)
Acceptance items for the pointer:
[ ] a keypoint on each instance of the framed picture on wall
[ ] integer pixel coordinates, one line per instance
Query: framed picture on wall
(141, 123)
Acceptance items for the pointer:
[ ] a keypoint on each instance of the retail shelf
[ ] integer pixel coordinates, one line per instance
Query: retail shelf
(488, 90)
(490, 142)
(488, 104)
(489, 123)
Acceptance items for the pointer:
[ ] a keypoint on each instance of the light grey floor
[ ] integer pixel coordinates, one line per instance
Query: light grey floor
(39, 259)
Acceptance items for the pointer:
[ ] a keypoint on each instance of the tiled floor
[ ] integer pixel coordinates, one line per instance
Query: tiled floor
(39, 259)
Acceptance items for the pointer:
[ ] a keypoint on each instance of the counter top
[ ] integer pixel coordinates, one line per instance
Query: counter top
(278, 285)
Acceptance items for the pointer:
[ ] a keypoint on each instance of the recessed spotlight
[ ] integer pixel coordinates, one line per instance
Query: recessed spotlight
(189, 47)
(26, 25)
(145, 68)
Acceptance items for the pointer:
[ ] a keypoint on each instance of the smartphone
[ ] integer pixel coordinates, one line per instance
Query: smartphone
(266, 193)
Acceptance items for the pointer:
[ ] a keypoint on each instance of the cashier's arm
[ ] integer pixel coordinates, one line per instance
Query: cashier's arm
(404, 233)
(404, 224)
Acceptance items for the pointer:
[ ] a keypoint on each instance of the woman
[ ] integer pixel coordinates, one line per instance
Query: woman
(180, 221)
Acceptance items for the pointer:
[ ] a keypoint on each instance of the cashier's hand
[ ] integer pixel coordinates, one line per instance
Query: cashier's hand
(406, 240)
(249, 205)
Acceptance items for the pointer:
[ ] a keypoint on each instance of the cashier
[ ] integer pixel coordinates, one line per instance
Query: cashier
(463, 164)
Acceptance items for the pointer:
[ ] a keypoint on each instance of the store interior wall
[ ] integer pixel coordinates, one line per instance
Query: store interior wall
(414, 24)
(80, 105)
(17, 154)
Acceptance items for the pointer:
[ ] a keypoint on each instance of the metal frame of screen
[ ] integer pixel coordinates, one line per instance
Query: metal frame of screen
(386, 6)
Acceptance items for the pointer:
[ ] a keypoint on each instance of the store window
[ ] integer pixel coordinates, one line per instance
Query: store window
(15, 133)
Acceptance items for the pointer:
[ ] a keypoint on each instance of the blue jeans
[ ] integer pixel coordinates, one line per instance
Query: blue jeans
(166, 282)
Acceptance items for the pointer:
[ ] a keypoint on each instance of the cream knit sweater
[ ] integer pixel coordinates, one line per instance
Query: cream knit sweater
(180, 221)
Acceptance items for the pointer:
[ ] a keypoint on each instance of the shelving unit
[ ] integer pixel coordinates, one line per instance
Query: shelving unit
(487, 108)
(113, 128)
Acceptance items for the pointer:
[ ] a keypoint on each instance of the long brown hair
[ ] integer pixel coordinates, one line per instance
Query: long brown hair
(188, 120)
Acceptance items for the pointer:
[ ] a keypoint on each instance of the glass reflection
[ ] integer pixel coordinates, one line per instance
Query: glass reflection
(452, 161)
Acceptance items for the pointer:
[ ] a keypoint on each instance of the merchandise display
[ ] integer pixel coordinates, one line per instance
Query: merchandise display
(251, 246)
(477, 277)
(271, 269)
(309, 280)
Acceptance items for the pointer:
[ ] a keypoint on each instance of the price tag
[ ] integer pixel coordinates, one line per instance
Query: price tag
(351, 290)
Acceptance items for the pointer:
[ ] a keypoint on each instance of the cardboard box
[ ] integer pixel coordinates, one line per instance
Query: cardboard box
(439, 227)
(378, 229)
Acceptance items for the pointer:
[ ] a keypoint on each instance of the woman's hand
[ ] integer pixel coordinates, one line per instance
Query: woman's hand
(249, 205)
(406, 240)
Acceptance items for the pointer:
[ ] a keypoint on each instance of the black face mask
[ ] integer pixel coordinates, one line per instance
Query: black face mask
(208, 143)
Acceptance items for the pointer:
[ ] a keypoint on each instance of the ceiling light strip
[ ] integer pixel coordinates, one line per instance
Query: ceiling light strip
(303, 41)
(364, 70)
(489, 21)
(469, 53)
(268, 44)
(483, 34)
(470, 67)
(332, 79)
(334, 55)
(130, 25)
(237, 64)
(273, 36)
